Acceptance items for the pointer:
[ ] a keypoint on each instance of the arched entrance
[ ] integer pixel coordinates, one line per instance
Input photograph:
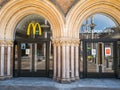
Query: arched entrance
(85, 9)
(11, 14)
(32, 47)
(99, 36)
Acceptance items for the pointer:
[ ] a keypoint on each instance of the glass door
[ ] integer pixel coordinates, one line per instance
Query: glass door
(32, 59)
(99, 59)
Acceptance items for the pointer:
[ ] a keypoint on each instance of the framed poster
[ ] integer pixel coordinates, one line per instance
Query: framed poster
(93, 51)
(27, 51)
(107, 51)
(23, 46)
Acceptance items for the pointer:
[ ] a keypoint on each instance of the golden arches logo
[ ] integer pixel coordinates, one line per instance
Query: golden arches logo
(34, 27)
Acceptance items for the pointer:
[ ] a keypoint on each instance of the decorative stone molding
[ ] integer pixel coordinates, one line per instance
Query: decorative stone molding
(6, 43)
(63, 41)
(9, 43)
(2, 42)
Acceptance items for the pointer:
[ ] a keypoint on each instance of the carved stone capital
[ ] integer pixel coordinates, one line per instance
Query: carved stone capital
(6, 43)
(76, 42)
(2, 42)
(9, 43)
(56, 42)
(66, 42)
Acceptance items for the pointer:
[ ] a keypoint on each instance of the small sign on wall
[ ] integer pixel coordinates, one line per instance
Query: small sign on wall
(27, 51)
(23, 46)
(93, 51)
(107, 51)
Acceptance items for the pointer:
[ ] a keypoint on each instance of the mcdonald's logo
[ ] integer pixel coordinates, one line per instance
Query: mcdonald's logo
(34, 27)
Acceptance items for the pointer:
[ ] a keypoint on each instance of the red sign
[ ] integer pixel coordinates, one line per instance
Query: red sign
(107, 51)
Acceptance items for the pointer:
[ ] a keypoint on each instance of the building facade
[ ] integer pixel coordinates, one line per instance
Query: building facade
(65, 18)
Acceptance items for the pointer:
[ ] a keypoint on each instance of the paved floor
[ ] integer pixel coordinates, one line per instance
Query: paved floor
(49, 84)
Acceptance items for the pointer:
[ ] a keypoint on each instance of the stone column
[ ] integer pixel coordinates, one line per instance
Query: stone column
(66, 66)
(77, 61)
(6, 65)
(59, 62)
(72, 63)
(68, 62)
(2, 53)
(63, 62)
(2, 62)
(55, 61)
(9, 59)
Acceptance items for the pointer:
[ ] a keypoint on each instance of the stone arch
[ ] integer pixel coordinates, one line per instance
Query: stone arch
(14, 11)
(85, 8)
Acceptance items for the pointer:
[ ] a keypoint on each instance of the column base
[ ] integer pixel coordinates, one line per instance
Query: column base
(73, 79)
(58, 78)
(77, 78)
(2, 78)
(68, 80)
(5, 77)
(63, 80)
(54, 78)
(8, 77)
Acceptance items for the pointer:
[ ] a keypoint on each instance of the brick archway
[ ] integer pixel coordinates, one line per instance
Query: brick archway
(84, 9)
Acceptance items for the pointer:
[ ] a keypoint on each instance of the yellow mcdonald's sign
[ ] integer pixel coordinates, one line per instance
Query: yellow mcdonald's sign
(34, 27)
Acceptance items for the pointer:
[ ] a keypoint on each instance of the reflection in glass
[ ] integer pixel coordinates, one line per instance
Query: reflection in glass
(32, 39)
(97, 57)
(99, 26)
(33, 57)
(108, 58)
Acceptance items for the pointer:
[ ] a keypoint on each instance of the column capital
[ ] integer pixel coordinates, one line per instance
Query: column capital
(66, 41)
(56, 42)
(77, 42)
(6, 43)
(2, 42)
(9, 42)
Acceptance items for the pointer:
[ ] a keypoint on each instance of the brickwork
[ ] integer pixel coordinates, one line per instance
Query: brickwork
(3, 2)
(65, 4)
